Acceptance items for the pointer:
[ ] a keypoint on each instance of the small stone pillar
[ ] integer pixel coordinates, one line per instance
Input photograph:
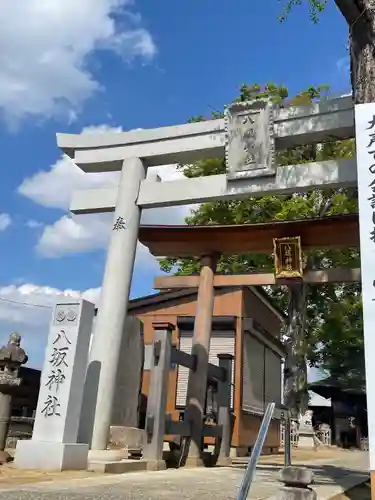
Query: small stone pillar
(12, 356)
(225, 415)
(157, 396)
(296, 484)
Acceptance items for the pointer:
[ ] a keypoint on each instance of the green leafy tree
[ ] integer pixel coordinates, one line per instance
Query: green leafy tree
(316, 7)
(306, 305)
(360, 15)
(341, 346)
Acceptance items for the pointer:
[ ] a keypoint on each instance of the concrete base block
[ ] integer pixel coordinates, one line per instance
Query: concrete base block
(50, 456)
(240, 452)
(129, 438)
(291, 493)
(224, 462)
(297, 476)
(117, 467)
(154, 465)
(107, 455)
(194, 462)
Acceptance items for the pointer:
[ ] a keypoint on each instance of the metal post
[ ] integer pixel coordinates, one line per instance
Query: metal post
(224, 404)
(287, 441)
(157, 396)
(252, 464)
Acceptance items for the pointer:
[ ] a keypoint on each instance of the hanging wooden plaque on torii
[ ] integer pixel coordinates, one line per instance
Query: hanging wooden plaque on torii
(288, 258)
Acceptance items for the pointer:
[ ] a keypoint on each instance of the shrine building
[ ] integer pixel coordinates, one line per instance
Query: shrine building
(245, 324)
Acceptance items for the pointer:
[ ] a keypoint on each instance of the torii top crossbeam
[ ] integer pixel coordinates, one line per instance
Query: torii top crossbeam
(286, 127)
(341, 231)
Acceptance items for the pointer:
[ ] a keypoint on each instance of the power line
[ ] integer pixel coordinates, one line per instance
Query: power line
(27, 304)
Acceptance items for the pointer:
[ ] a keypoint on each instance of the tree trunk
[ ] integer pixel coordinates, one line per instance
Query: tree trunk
(362, 53)
(295, 375)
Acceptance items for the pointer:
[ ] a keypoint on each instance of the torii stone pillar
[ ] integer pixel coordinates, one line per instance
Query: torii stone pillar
(114, 299)
(197, 385)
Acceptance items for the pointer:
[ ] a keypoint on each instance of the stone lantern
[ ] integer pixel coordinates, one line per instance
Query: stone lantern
(12, 356)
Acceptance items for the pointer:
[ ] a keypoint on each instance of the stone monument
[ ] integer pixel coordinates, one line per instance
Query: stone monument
(54, 443)
(12, 356)
(124, 432)
(306, 433)
(126, 405)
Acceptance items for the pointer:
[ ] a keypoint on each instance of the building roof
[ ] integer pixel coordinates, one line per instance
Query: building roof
(137, 306)
(168, 295)
(338, 231)
(317, 400)
(333, 388)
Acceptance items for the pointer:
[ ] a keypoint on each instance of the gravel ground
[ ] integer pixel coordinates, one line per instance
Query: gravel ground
(208, 484)
(189, 484)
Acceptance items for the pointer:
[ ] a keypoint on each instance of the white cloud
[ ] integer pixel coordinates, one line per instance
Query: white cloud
(27, 308)
(30, 304)
(33, 224)
(61, 181)
(69, 235)
(343, 65)
(54, 189)
(5, 221)
(45, 48)
(83, 233)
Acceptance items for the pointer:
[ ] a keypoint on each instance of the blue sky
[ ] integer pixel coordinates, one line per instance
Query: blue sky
(69, 66)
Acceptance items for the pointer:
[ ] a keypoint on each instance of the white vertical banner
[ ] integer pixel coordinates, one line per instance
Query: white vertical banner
(365, 143)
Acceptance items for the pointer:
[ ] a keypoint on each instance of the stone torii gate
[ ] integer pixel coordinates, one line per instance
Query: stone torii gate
(248, 137)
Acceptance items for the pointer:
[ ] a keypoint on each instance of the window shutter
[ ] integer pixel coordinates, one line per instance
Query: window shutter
(253, 375)
(272, 392)
(183, 373)
(221, 342)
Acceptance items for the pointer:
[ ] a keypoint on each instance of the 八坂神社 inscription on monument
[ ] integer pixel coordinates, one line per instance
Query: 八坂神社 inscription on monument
(54, 443)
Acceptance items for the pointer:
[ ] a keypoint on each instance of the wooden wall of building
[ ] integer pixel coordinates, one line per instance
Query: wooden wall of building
(247, 425)
(228, 302)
